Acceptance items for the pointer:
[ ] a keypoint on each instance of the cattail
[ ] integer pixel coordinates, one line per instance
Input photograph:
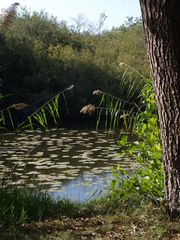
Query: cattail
(88, 109)
(70, 88)
(19, 106)
(97, 92)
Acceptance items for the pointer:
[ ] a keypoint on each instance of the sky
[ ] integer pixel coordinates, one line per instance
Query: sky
(115, 10)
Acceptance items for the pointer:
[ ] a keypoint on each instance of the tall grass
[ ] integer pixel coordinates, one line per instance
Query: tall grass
(19, 206)
(42, 116)
(50, 109)
(146, 181)
(114, 111)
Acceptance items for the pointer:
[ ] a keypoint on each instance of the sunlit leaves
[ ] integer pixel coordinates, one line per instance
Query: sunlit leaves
(49, 111)
(147, 181)
(122, 142)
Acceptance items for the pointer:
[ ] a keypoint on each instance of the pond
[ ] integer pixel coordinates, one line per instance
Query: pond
(74, 164)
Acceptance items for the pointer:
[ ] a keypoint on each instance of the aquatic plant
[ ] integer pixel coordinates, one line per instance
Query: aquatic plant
(147, 180)
(112, 110)
(48, 111)
(143, 145)
(49, 108)
(6, 117)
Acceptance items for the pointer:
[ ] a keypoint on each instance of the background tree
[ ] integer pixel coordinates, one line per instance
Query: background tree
(102, 19)
(42, 55)
(162, 29)
(7, 17)
(79, 23)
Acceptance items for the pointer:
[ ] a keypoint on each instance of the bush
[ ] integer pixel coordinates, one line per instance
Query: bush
(147, 180)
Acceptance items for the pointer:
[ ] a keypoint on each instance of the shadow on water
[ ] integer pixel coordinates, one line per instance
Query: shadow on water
(75, 164)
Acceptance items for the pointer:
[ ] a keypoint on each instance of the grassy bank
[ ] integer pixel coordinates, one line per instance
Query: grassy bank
(33, 215)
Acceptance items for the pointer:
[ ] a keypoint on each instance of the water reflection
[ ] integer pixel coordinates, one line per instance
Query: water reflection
(84, 187)
(68, 163)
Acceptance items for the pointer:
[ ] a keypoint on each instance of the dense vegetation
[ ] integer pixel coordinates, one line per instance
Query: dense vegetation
(41, 56)
(133, 209)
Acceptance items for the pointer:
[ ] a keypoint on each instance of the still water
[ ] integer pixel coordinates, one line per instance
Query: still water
(75, 164)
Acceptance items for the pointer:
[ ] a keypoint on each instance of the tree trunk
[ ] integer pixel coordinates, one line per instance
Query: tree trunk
(161, 20)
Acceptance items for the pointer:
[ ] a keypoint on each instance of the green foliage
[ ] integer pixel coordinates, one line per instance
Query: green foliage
(46, 112)
(44, 116)
(40, 55)
(141, 143)
(147, 181)
(114, 111)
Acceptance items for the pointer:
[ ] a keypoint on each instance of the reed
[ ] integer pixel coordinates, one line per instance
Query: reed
(114, 111)
(49, 109)
(6, 117)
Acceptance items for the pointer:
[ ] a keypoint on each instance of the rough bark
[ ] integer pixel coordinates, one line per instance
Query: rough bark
(161, 20)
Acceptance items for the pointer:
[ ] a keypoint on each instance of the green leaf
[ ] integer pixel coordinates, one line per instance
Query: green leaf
(123, 140)
(112, 184)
